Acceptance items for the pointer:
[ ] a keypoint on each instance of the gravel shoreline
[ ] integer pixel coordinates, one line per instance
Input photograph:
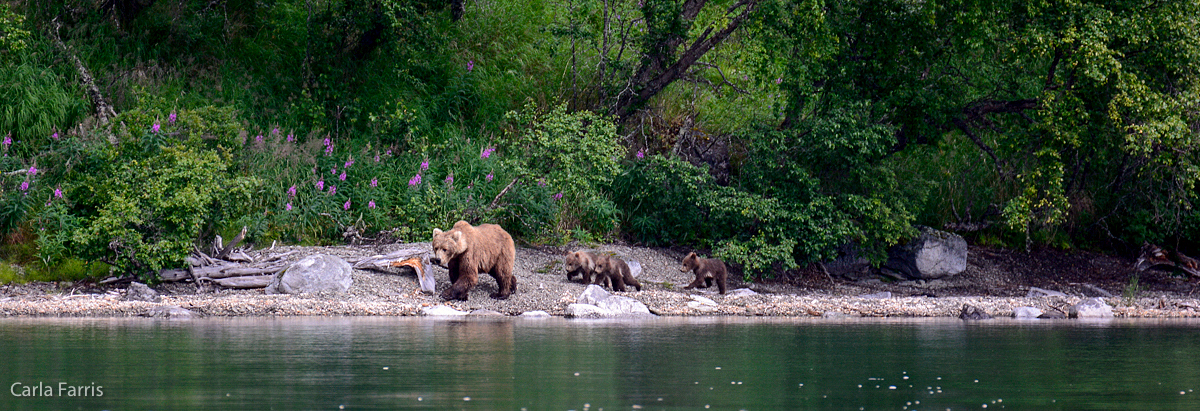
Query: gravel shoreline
(542, 286)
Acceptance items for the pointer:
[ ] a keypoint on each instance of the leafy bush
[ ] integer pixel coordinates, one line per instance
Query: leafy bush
(575, 153)
(147, 213)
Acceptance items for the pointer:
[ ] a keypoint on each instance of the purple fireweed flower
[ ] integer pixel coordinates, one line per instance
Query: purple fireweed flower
(489, 177)
(155, 128)
(374, 182)
(292, 191)
(377, 158)
(348, 163)
(258, 139)
(371, 204)
(171, 118)
(327, 142)
(288, 207)
(328, 150)
(415, 180)
(333, 170)
(641, 154)
(7, 141)
(487, 152)
(346, 206)
(558, 196)
(470, 65)
(24, 185)
(321, 185)
(58, 192)
(33, 170)
(291, 138)
(54, 136)
(778, 80)
(541, 182)
(450, 179)
(275, 130)
(389, 152)
(332, 189)
(424, 165)
(342, 176)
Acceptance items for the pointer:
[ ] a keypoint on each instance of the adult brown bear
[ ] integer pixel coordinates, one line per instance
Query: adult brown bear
(467, 250)
(707, 270)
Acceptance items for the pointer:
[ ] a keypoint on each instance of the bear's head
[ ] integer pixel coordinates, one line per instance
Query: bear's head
(578, 262)
(447, 245)
(690, 262)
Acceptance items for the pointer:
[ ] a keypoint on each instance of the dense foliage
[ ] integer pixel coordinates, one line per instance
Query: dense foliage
(769, 133)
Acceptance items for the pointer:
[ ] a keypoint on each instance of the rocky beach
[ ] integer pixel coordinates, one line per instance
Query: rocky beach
(996, 283)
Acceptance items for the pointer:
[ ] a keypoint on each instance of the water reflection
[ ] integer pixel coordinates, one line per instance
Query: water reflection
(671, 363)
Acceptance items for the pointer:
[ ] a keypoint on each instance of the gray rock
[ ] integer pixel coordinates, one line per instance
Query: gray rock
(141, 292)
(1026, 312)
(877, 296)
(586, 311)
(170, 311)
(933, 254)
(441, 311)
(535, 314)
(486, 313)
(635, 267)
(593, 294)
(849, 264)
(618, 306)
(970, 312)
(703, 300)
(1091, 308)
(311, 274)
(1035, 292)
(741, 292)
(1052, 315)
(836, 315)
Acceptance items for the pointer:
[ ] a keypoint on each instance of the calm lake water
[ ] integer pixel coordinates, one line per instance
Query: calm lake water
(558, 364)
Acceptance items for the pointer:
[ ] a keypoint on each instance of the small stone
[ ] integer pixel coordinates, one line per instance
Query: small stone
(741, 292)
(877, 296)
(535, 314)
(440, 311)
(703, 300)
(486, 313)
(170, 311)
(593, 294)
(1091, 308)
(1026, 312)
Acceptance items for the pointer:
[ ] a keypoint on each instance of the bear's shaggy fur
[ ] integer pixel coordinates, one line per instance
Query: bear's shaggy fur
(707, 270)
(610, 272)
(467, 250)
(616, 272)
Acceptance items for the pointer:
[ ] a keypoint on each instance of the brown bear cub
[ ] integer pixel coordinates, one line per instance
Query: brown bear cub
(609, 271)
(580, 263)
(707, 270)
(467, 250)
(616, 273)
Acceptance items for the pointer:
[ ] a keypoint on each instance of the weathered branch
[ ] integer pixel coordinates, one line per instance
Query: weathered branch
(505, 190)
(652, 78)
(104, 111)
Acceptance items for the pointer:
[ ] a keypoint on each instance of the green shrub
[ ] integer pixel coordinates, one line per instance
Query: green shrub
(576, 154)
(147, 213)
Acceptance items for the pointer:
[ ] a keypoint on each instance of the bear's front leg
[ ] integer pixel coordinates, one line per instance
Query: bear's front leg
(698, 282)
(462, 287)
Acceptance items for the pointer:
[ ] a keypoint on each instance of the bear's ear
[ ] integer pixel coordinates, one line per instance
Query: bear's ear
(590, 262)
(458, 238)
(437, 231)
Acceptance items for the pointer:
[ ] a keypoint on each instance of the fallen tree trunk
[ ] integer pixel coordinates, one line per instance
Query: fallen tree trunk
(249, 281)
(415, 258)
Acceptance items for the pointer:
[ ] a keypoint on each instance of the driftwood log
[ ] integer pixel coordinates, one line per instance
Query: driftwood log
(415, 258)
(233, 268)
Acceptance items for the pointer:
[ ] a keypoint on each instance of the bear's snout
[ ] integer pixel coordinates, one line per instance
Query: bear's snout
(435, 261)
